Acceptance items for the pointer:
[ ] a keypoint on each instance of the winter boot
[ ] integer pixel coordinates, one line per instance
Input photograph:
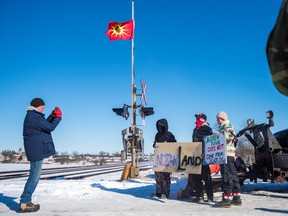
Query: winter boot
(225, 203)
(180, 194)
(184, 194)
(209, 200)
(28, 207)
(197, 199)
(236, 200)
(156, 195)
(163, 196)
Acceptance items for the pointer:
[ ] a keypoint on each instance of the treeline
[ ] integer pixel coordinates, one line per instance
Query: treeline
(97, 159)
(10, 156)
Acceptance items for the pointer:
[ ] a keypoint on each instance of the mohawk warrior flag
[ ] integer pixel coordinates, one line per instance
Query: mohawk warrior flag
(120, 31)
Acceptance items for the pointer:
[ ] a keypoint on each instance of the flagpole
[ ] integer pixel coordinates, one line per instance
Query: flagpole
(133, 75)
(133, 171)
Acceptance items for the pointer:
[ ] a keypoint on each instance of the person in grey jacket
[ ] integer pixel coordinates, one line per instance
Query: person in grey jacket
(38, 144)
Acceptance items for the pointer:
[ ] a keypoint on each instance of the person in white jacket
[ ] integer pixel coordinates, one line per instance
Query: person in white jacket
(230, 181)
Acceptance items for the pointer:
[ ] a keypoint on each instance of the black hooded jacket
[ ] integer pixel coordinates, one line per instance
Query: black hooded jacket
(198, 135)
(204, 130)
(163, 135)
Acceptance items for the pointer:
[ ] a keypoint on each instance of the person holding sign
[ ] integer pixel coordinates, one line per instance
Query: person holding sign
(230, 181)
(163, 179)
(202, 129)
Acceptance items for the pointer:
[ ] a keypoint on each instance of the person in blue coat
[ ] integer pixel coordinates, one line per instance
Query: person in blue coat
(38, 144)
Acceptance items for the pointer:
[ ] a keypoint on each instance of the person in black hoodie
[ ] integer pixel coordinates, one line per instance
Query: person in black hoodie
(163, 179)
(202, 129)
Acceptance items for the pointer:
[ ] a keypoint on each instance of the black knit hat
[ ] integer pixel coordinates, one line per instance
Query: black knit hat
(201, 115)
(36, 102)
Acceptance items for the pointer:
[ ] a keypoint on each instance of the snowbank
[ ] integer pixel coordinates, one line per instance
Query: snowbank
(106, 195)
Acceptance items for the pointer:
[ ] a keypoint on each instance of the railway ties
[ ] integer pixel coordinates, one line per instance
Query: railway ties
(89, 174)
(66, 173)
(13, 175)
(80, 174)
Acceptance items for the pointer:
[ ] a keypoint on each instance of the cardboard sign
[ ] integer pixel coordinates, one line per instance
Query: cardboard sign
(215, 149)
(178, 157)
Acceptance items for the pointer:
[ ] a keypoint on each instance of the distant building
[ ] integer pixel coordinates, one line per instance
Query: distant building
(20, 152)
(21, 157)
(2, 158)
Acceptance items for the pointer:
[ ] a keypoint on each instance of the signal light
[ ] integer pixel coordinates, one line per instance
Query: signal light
(122, 111)
(146, 111)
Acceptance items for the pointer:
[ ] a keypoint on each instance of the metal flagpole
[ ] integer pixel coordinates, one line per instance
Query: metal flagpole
(133, 75)
(133, 171)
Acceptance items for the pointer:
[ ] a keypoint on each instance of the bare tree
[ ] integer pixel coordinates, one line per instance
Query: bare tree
(8, 154)
(244, 148)
(62, 158)
(117, 154)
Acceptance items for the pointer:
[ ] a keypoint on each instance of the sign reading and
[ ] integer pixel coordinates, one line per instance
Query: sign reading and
(178, 157)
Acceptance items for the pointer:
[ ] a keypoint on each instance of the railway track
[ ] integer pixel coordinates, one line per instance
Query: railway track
(66, 173)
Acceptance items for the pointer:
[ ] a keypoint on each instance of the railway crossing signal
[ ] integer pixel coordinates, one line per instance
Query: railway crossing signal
(146, 111)
(132, 137)
(122, 111)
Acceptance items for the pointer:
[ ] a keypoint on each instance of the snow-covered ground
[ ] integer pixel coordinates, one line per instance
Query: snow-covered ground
(107, 195)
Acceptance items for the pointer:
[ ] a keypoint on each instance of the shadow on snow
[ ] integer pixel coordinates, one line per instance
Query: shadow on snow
(9, 202)
(143, 191)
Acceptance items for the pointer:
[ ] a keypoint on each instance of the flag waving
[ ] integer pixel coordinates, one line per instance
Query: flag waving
(120, 31)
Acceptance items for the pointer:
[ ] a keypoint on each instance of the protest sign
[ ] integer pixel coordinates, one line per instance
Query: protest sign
(215, 149)
(178, 157)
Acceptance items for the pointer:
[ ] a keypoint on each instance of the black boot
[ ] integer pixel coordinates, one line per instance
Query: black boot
(198, 199)
(225, 203)
(209, 200)
(156, 195)
(236, 201)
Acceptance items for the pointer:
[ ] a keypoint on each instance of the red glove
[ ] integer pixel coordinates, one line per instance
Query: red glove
(57, 112)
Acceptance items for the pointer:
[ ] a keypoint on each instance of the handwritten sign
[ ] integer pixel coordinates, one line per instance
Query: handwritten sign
(215, 149)
(178, 157)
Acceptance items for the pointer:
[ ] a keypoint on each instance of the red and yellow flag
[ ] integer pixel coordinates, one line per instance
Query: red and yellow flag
(120, 31)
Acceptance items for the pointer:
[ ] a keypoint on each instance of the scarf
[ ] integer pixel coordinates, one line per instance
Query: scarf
(198, 123)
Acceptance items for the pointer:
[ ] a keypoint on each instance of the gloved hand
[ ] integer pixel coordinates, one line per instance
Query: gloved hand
(57, 112)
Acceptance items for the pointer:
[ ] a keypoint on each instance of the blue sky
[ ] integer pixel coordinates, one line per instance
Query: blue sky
(195, 56)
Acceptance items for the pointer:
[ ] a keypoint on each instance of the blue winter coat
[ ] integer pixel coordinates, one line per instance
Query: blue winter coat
(38, 142)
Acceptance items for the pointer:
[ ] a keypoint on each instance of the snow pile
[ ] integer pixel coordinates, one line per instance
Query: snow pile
(107, 195)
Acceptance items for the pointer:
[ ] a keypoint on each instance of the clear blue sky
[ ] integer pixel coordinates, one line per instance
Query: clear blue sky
(195, 56)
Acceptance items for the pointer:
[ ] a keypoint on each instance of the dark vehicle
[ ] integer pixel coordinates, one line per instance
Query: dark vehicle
(282, 138)
(271, 152)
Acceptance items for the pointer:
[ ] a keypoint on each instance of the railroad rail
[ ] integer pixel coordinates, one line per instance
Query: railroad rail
(66, 173)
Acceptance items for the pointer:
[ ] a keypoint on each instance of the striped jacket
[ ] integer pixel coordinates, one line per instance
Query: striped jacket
(227, 129)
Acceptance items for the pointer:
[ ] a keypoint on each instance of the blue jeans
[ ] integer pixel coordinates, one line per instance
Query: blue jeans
(32, 181)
